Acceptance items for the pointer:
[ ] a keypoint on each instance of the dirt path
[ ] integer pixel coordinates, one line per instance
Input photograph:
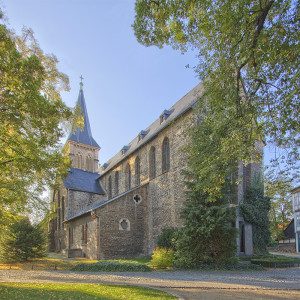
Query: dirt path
(271, 284)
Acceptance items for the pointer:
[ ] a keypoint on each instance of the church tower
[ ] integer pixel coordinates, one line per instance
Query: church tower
(81, 146)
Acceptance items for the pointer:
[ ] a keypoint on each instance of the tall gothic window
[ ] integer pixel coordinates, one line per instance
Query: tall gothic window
(117, 183)
(127, 178)
(62, 209)
(58, 212)
(152, 163)
(165, 155)
(109, 188)
(137, 171)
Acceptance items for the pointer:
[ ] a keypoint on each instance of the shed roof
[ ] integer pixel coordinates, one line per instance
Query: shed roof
(84, 181)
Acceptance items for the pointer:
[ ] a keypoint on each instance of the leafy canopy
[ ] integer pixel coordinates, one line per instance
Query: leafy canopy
(32, 115)
(249, 62)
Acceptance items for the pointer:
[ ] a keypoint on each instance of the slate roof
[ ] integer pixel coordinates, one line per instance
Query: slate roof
(83, 136)
(180, 107)
(84, 181)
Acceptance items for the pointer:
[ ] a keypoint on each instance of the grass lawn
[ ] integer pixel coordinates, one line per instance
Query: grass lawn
(76, 291)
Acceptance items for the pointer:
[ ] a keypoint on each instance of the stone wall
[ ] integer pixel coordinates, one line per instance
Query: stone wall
(123, 225)
(79, 201)
(166, 190)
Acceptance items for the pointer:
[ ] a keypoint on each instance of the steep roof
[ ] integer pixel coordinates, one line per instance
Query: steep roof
(83, 136)
(84, 181)
(167, 116)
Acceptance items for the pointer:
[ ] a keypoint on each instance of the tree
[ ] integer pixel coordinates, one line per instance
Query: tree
(32, 115)
(281, 211)
(249, 63)
(209, 234)
(22, 241)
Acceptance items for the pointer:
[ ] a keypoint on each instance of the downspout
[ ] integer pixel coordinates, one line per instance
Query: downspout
(93, 214)
(68, 204)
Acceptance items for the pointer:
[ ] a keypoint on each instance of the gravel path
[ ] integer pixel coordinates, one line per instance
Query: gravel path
(271, 284)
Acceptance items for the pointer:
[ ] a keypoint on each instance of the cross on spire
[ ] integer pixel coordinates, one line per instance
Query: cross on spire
(81, 83)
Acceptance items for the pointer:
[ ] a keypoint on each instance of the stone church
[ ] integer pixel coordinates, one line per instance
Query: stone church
(119, 209)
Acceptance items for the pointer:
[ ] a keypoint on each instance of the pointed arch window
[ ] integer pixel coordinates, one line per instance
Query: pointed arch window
(62, 209)
(165, 155)
(109, 194)
(116, 182)
(152, 163)
(137, 171)
(127, 177)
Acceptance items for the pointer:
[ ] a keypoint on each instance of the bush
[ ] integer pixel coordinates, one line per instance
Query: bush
(162, 257)
(22, 241)
(112, 266)
(167, 238)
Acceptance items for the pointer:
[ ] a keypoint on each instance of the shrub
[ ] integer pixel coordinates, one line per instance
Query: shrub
(166, 238)
(22, 241)
(112, 266)
(162, 257)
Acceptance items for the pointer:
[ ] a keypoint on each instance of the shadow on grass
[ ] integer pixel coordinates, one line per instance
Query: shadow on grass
(39, 291)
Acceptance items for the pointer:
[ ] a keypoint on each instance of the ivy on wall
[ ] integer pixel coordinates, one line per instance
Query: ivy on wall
(255, 210)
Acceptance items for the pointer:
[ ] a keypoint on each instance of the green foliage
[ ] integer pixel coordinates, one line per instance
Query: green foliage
(22, 241)
(32, 114)
(249, 64)
(255, 211)
(162, 257)
(167, 238)
(208, 236)
(281, 211)
(272, 261)
(112, 266)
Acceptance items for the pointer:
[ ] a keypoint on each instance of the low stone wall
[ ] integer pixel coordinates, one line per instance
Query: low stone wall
(288, 248)
(74, 253)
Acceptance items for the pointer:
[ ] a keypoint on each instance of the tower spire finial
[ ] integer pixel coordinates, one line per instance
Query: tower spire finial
(81, 83)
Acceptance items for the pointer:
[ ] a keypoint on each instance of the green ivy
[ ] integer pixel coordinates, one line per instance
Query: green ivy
(255, 210)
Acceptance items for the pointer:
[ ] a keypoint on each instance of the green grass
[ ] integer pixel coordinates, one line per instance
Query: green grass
(70, 291)
(112, 266)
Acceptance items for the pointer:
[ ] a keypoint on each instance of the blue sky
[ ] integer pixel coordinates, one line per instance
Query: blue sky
(126, 85)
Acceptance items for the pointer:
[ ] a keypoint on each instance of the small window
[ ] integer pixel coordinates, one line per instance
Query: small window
(165, 115)
(124, 225)
(142, 134)
(137, 199)
(124, 149)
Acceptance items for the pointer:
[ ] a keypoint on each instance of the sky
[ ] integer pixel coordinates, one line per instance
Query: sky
(126, 85)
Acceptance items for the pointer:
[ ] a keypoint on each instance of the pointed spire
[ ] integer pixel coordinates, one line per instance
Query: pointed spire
(83, 136)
